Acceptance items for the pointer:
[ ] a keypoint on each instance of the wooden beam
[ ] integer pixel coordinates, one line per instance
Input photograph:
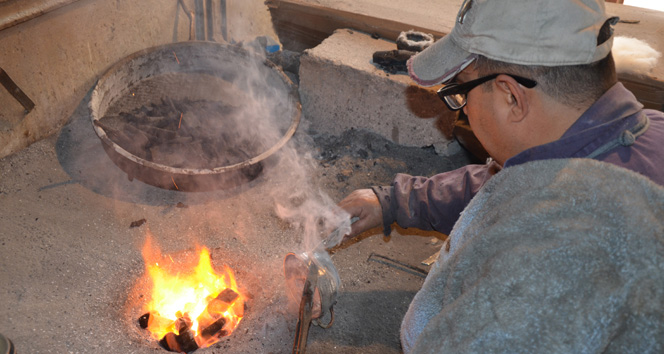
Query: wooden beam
(15, 12)
(301, 25)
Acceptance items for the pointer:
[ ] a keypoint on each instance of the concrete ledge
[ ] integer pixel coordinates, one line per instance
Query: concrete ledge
(303, 24)
(341, 88)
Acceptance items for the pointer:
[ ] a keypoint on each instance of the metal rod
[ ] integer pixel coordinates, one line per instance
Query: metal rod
(209, 20)
(185, 9)
(199, 10)
(398, 265)
(224, 29)
(192, 21)
(16, 91)
(192, 26)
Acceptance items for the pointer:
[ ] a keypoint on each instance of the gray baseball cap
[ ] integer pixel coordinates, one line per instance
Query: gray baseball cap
(526, 32)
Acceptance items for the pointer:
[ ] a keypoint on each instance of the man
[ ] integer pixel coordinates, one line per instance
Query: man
(537, 81)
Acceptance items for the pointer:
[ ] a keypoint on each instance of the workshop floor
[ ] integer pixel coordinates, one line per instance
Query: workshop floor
(70, 262)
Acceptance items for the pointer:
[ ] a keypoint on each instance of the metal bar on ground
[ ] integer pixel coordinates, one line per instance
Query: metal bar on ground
(398, 265)
(16, 91)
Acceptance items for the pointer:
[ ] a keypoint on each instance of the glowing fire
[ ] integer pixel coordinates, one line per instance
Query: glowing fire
(198, 300)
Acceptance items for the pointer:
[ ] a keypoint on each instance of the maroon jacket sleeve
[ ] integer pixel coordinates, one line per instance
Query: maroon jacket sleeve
(433, 203)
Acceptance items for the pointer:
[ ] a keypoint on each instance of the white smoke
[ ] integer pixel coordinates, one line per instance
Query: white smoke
(297, 198)
(634, 56)
(303, 204)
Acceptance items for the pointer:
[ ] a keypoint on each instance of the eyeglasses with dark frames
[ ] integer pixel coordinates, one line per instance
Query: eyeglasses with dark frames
(454, 94)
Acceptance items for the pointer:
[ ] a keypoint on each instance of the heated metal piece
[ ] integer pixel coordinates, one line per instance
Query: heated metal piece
(16, 91)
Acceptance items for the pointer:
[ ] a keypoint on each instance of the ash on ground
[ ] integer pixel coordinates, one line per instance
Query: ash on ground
(363, 158)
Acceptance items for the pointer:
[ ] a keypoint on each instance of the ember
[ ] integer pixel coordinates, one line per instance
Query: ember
(189, 309)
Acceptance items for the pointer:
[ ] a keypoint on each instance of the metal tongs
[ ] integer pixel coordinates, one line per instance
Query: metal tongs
(319, 289)
(317, 276)
(319, 281)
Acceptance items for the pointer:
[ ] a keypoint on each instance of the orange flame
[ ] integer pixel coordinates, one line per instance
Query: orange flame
(198, 294)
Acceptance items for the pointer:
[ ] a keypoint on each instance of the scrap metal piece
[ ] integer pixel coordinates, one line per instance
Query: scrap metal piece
(16, 91)
(432, 259)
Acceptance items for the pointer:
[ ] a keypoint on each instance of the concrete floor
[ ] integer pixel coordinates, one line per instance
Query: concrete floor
(71, 268)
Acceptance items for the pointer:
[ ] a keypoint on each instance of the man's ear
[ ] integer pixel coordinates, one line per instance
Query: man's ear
(514, 96)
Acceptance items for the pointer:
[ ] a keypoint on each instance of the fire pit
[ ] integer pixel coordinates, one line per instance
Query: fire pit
(188, 305)
(194, 116)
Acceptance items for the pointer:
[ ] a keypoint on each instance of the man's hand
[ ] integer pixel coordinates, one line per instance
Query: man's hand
(363, 204)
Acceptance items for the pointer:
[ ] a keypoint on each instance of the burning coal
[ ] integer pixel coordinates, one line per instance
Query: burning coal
(190, 308)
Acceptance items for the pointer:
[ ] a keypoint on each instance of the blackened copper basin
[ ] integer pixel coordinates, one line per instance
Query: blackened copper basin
(265, 105)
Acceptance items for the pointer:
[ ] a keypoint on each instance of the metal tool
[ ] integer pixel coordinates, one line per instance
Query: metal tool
(313, 280)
